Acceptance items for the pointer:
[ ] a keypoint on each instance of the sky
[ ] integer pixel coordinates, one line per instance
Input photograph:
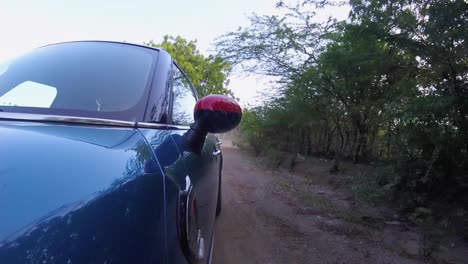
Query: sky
(29, 24)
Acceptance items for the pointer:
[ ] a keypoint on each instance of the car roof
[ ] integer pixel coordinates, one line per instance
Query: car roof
(110, 42)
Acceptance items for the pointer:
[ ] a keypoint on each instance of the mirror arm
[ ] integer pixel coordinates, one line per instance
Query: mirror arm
(195, 137)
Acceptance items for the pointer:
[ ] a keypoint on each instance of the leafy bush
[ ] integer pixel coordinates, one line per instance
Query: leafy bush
(376, 186)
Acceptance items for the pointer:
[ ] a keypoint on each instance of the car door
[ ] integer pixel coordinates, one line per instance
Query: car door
(202, 168)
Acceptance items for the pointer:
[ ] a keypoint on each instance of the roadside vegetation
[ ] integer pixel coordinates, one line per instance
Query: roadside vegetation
(386, 88)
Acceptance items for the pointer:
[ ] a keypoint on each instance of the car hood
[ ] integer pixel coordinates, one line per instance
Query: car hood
(66, 186)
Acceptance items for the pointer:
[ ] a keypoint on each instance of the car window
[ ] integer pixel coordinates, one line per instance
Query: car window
(93, 79)
(184, 99)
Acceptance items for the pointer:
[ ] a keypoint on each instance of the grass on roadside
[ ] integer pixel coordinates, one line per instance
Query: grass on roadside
(350, 222)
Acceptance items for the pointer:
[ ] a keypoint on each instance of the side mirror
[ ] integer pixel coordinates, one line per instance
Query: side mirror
(217, 113)
(213, 114)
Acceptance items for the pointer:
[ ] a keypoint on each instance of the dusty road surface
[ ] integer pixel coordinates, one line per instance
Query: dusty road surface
(274, 217)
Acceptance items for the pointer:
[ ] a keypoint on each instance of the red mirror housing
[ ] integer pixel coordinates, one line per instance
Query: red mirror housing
(217, 113)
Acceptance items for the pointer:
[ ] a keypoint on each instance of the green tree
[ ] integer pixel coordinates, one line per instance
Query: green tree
(209, 74)
(387, 86)
(431, 130)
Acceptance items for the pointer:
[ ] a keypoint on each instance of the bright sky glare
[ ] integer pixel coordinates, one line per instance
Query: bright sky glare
(30, 94)
(30, 24)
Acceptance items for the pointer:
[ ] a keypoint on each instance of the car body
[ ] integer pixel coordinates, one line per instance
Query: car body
(102, 160)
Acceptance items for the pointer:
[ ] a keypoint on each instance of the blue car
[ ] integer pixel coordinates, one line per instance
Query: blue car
(107, 156)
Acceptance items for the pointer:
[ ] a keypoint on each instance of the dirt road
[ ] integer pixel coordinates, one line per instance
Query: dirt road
(267, 219)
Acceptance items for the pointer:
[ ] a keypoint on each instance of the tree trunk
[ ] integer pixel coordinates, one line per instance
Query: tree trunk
(309, 143)
(302, 143)
(362, 150)
(329, 140)
(354, 146)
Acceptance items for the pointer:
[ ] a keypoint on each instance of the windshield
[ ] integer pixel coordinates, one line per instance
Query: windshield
(91, 79)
